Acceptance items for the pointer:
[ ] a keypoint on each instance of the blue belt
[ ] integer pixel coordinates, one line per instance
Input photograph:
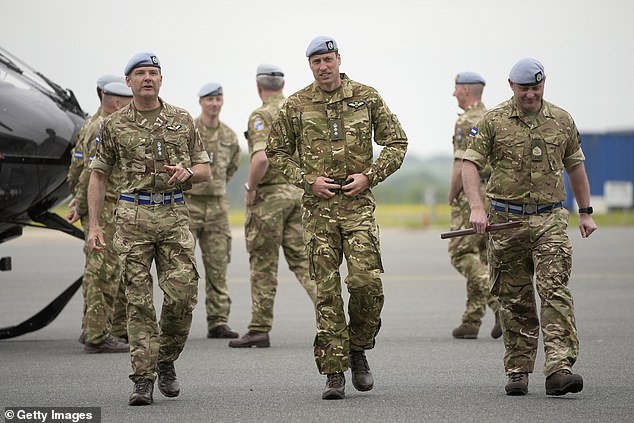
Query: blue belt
(145, 198)
(505, 206)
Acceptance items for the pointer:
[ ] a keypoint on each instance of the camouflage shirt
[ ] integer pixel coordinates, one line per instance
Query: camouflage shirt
(333, 132)
(140, 149)
(77, 153)
(462, 131)
(260, 123)
(224, 154)
(527, 157)
(88, 145)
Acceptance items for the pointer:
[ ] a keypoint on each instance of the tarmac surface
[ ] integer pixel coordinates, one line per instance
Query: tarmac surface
(421, 373)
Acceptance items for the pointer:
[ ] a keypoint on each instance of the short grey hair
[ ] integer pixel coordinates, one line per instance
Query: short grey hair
(270, 83)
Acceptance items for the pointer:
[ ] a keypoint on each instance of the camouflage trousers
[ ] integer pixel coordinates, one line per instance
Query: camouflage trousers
(274, 220)
(469, 257)
(104, 295)
(540, 249)
(159, 234)
(209, 223)
(334, 228)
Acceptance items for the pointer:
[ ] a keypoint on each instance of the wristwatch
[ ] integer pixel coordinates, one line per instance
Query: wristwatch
(586, 210)
(248, 188)
(190, 171)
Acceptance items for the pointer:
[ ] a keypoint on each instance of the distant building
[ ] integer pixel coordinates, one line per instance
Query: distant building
(610, 167)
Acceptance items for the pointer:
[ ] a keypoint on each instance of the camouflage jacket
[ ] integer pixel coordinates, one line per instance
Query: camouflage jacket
(224, 154)
(77, 153)
(89, 147)
(462, 131)
(260, 123)
(333, 132)
(141, 149)
(527, 157)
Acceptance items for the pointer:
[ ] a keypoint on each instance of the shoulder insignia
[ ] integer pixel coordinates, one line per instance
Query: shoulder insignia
(175, 127)
(258, 125)
(473, 132)
(97, 139)
(356, 104)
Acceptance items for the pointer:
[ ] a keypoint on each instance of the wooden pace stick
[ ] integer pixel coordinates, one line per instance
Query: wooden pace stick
(490, 228)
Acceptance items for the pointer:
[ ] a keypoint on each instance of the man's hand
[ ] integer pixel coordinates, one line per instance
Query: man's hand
(586, 225)
(72, 216)
(479, 220)
(355, 184)
(179, 174)
(95, 240)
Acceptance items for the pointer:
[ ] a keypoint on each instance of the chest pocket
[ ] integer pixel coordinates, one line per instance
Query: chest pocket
(555, 150)
(132, 153)
(357, 123)
(509, 152)
(177, 150)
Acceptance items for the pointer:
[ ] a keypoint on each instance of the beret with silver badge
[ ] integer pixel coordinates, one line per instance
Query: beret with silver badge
(527, 71)
(142, 59)
(320, 45)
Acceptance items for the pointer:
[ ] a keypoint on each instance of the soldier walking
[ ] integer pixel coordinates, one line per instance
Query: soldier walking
(159, 152)
(330, 125)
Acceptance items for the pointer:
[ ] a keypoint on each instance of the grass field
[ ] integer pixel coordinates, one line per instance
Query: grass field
(419, 216)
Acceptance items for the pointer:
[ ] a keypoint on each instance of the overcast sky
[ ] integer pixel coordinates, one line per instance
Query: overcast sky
(410, 50)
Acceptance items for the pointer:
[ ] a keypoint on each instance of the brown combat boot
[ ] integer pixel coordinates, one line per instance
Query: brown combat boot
(335, 387)
(167, 382)
(142, 393)
(222, 331)
(109, 345)
(496, 332)
(465, 332)
(362, 378)
(563, 382)
(252, 339)
(517, 384)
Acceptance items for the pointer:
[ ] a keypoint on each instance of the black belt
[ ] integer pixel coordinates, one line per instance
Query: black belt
(146, 198)
(341, 182)
(505, 206)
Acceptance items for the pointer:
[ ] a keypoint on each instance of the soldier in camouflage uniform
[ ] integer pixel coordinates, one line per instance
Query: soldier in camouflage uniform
(273, 216)
(330, 124)
(159, 152)
(77, 153)
(104, 317)
(208, 208)
(468, 253)
(529, 142)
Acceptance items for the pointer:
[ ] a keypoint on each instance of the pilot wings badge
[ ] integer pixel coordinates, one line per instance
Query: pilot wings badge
(356, 104)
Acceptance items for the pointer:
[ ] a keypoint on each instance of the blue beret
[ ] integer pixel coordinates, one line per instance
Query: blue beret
(142, 59)
(320, 45)
(212, 88)
(117, 88)
(527, 71)
(105, 79)
(470, 78)
(270, 70)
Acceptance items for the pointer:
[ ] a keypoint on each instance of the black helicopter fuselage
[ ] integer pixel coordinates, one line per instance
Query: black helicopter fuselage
(39, 122)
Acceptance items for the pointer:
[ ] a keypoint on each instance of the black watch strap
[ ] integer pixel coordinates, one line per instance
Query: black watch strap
(586, 210)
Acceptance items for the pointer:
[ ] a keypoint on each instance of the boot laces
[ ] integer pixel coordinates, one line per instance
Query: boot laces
(517, 377)
(359, 362)
(143, 387)
(167, 371)
(335, 380)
